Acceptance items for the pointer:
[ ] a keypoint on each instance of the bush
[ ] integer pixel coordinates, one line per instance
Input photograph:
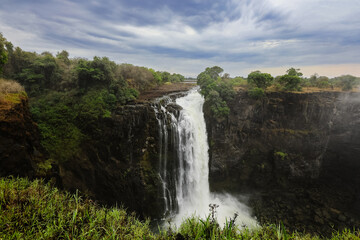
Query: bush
(216, 90)
(10, 86)
(261, 80)
(257, 93)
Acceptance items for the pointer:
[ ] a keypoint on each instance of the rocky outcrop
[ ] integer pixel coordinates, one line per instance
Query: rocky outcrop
(119, 163)
(19, 138)
(297, 155)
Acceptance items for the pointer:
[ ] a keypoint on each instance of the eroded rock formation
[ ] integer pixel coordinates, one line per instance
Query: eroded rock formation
(19, 138)
(296, 155)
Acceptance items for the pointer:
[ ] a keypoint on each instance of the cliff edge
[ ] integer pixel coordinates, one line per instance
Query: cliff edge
(295, 154)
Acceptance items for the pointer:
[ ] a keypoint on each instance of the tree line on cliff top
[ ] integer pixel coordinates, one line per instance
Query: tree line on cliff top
(218, 87)
(69, 96)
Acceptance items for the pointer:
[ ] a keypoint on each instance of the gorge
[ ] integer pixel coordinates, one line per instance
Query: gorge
(185, 179)
(294, 156)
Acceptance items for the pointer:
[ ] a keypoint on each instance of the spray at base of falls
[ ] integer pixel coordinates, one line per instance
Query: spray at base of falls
(188, 173)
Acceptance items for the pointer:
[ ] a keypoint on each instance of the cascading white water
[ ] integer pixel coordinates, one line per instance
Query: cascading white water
(190, 173)
(193, 193)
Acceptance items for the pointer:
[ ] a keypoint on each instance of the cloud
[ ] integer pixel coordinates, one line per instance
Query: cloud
(187, 36)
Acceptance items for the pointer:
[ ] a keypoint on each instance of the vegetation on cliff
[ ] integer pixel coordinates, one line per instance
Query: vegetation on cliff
(11, 91)
(217, 90)
(69, 96)
(34, 210)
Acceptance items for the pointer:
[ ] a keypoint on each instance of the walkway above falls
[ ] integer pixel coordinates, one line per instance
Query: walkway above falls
(164, 89)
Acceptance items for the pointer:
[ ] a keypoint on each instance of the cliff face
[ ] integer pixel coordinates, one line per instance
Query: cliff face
(19, 137)
(118, 164)
(296, 154)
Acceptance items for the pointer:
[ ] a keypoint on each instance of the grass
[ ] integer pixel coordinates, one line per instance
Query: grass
(35, 210)
(11, 91)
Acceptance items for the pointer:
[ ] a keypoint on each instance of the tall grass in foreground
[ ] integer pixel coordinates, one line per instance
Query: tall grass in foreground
(34, 210)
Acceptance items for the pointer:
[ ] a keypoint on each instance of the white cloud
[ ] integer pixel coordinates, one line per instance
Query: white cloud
(251, 35)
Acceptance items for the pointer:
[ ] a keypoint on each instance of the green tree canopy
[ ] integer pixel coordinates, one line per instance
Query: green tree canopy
(217, 90)
(261, 80)
(294, 72)
(292, 80)
(3, 53)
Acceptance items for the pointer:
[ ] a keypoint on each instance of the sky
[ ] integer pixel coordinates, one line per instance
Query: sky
(183, 36)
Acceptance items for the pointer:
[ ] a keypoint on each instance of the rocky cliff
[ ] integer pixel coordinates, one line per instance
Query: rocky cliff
(119, 163)
(295, 155)
(19, 138)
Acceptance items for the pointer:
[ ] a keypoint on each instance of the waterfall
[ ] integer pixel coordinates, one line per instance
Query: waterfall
(188, 173)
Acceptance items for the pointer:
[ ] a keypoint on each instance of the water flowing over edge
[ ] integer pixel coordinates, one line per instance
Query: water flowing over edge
(185, 176)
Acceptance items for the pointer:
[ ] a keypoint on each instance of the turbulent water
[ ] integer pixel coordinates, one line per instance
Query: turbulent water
(185, 179)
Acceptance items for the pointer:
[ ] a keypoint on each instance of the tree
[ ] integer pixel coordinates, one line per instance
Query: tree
(217, 90)
(3, 53)
(322, 82)
(157, 76)
(261, 80)
(294, 72)
(165, 76)
(348, 82)
(291, 81)
(63, 56)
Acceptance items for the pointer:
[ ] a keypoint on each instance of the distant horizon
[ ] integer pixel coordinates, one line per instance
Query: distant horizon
(187, 36)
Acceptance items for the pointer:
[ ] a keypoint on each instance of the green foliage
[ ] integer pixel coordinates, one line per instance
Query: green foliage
(292, 80)
(39, 73)
(3, 53)
(217, 90)
(261, 80)
(139, 78)
(294, 72)
(282, 155)
(13, 98)
(257, 93)
(175, 77)
(56, 121)
(100, 71)
(217, 105)
(33, 210)
(346, 82)
(322, 82)
(238, 81)
(156, 75)
(70, 97)
(95, 104)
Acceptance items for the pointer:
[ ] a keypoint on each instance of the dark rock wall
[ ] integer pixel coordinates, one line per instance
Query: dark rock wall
(19, 139)
(297, 155)
(118, 165)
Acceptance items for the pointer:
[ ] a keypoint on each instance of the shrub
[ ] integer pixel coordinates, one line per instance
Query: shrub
(257, 93)
(290, 83)
(10, 86)
(261, 80)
